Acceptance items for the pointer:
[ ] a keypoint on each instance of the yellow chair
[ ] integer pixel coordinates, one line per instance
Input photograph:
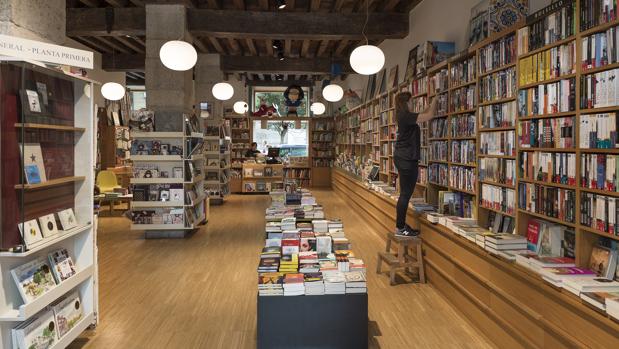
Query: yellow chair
(107, 182)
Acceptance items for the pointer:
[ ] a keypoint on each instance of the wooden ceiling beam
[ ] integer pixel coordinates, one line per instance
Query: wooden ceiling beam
(264, 5)
(315, 5)
(239, 4)
(201, 46)
(217, 45)
(90, 3)
(117, 3)
(296, 25)
(235, 49)
(305, 48)
(288, 48)
(123, 62)
(341, 47)
(269, 46)
(137, 2)
(289, 25)
(110, 41)
(274, 65)
(252, 47)
(129, 43)
(390, 5)
(322, 48)
(213, 4)
(278, 83)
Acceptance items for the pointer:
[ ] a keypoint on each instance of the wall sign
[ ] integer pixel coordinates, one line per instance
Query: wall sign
(44, 52)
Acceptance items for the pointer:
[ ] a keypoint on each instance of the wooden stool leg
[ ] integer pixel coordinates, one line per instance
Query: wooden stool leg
(422, 273)
(388, 248)
(378, 263)
(392, 276)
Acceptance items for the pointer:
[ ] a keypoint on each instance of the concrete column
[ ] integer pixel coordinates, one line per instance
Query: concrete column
(166, 90)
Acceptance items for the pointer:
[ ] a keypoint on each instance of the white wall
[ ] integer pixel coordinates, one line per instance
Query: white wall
(45, 20)
(431, 20)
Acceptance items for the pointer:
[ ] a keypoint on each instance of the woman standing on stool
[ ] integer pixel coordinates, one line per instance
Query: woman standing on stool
(406, 155)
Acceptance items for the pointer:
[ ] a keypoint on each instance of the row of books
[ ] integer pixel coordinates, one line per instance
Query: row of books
(498, 85)
(463, 152)
(419, 86)
(437, 174)
(442, 104)
(600, 212)
(502, 171)
(599, 90)
(438, 150)
(549, 201)
(498, 143)
(456, 204)
(438, 82)
(548, 167)
(498, 198)
(463, 125)
(599, 171)
(547, 133)
(600, 49)
(462, 178)
(438, 128)
(497, 54)
(462, 99)
(462, 72)
(498, 115)
(549, 29)
(596, 12)
(551, 98)
(549, 64)
(598, 131)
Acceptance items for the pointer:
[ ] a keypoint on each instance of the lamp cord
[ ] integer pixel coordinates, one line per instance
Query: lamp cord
(367, 15)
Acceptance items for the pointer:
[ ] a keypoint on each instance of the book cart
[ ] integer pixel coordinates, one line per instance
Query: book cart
(47, 176)
(513, 137)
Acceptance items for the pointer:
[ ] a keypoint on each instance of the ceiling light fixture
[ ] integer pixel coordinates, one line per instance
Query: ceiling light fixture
(178, 55)
(318, 108)
(367, 59)
(333, 93)
(113, 91)
(280, 55)
(223, 91)
(276, 44)
(240, 107)
(281, 4)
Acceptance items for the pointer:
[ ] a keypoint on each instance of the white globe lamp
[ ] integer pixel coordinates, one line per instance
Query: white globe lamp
(178, 55)
(318, 108)
(333, 93)
(113, 91)
(367, 59)
(223, 91)
(240, 107)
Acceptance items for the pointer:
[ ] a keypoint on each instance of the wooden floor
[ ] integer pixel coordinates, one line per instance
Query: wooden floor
(200, 292)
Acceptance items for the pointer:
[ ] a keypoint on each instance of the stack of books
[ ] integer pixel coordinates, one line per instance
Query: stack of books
(268, 265)
(320, 225)
(274, 230)
(293, 285)
(289, 223)
(314, 286)
(355, 282)
(308, 262)
(270, 284)
(335, 282)
(356, 264)
(335, 225)
(495, 243)
(340, 243)
(342, 261)
(289, 264)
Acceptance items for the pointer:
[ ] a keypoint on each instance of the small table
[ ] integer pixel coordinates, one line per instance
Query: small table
(112, 199)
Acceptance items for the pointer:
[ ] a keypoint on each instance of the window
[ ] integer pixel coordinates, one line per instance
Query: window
(283, 135)
(138, 99)
(274, 96)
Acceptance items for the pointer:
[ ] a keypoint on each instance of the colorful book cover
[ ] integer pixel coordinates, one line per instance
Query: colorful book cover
(62, 265)
(30, 232)
(33, 279)
(39, 334)
(68, 313)
(533, 228)
(599, 260)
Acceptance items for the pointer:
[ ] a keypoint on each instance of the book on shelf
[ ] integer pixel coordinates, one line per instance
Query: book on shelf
(600, 49)
(550, 28)
(419, 86)
(39, 332)
(598, 131)
(438, 174)
(462, 99)
(600, 89)
(599, 212)
(462, 125)
(438, 82)
(456, 204)
(502, 171)
(498, 143)
(438, 150)
(462, 72)
(600, 299)
(498, 198)
(498, 115)
(68, 312)
(438, 128)
(550, 98)
(33, 279)
(497, 54)
(548, 167)
(597, 12)
(462, 178)
(552, 202)
(463, 152)
(501, 223)
(498, 85)
(599, 171)
(548, 64)
(62, 265)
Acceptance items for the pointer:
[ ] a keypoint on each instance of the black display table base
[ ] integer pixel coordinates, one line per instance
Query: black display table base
(329, 321)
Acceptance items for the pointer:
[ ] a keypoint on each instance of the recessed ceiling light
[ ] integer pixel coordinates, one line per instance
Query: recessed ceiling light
(281, 4)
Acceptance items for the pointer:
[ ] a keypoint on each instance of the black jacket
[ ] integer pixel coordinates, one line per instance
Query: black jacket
(408, 142)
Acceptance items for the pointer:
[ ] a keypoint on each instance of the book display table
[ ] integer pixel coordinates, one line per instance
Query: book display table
(330, 321)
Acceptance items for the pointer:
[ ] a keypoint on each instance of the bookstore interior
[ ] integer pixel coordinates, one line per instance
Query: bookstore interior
(224, 174)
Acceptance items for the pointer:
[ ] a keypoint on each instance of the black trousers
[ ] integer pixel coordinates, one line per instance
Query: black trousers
(408, 171)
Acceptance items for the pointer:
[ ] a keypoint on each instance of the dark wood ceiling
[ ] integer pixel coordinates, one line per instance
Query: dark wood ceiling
(127, 43)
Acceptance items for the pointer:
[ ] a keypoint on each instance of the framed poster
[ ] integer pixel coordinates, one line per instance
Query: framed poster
(392, 81)
(411, 64)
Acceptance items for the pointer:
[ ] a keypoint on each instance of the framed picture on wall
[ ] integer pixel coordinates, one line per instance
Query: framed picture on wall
(392, 81)
(479, 22)
(411, 63)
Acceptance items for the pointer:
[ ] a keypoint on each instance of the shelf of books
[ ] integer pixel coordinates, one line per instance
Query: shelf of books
(262, 178)
(48, 237)
(169, 199)
(306, 255)
(240, 138)
(322, 140)
(218, 158)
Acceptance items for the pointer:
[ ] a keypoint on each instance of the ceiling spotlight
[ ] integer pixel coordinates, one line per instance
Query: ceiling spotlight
(280, 55)
(276, 44)
(281, 4)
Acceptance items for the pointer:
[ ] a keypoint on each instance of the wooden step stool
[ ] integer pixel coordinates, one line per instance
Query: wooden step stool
(402, 259)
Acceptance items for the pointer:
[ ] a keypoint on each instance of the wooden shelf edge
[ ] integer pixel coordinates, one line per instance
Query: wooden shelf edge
(50, 183)
(50, 127)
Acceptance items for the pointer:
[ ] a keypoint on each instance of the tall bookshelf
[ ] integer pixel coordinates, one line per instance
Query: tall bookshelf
(438, 140)
(217, 162)
(240, 142)
(322, 151)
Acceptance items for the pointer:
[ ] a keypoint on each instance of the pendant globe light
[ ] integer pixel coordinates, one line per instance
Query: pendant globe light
(113, 91)
(223, 91)
(333, 93)
(240, 107)
(367, 59)
(318, 108)
(178, 55)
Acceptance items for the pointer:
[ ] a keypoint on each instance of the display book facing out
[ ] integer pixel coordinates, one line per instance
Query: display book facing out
(217, 160)
(304, 253)
(262, 178)
(168, 173)
(48, 228)
(546, 133)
